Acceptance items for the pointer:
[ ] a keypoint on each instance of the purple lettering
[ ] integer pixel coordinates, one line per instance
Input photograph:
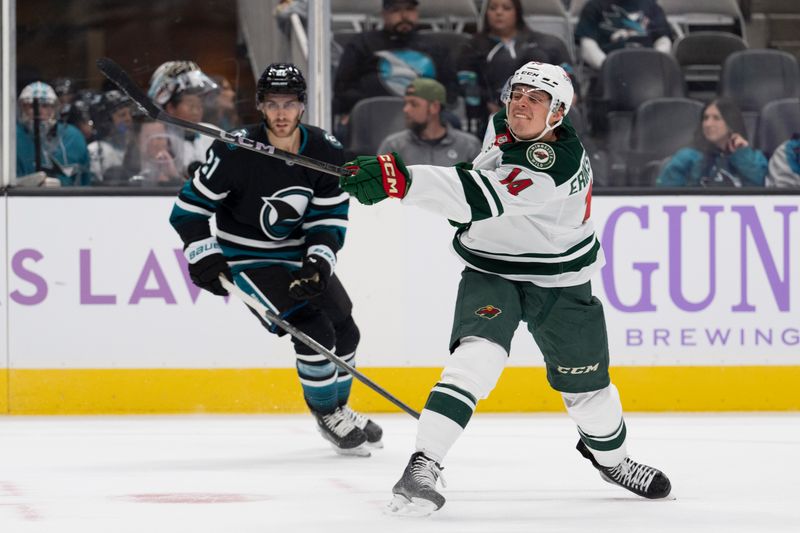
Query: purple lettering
(660, 334)
(791, 336)
(718, 335)
(767, 336)
(151, 267)
(38, 282)
(633, 337)
(675, 215)
(780, 286)
(645, 302)
(87, 298)
(687, 337)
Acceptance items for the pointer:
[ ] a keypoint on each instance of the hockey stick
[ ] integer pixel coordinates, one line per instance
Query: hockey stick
(121, 79)
(265, 313)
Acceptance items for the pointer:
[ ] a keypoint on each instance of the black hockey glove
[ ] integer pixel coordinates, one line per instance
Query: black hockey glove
(312, 278)
(205, 273)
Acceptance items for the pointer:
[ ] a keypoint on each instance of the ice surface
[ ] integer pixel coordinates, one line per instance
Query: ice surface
(508, 473)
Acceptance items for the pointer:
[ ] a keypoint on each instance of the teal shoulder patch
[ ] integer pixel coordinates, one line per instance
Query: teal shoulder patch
(332, 140)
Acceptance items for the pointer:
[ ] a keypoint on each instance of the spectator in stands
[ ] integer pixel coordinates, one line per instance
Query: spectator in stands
(45, 144)
(503, 45)
(428, 139)
(784, 165)
(112, 113)
(720, 154)
(607, 25)
(220, 105)
(179, 87)
(66, 89)
(78, 113)
(150, 157)
(383, 62)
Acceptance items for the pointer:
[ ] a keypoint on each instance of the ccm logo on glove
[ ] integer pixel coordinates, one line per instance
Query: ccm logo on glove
(394, 187)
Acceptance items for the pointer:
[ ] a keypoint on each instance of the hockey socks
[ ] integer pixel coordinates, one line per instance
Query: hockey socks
(318, 378)
(443, 419)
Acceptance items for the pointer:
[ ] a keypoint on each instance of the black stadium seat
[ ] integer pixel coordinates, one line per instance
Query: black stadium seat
(660, 128)
(701, 55)
(630, 77)
(753, 78)
(371, 120)
(778, 121)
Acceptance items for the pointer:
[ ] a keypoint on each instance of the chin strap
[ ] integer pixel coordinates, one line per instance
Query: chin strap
(545, 131)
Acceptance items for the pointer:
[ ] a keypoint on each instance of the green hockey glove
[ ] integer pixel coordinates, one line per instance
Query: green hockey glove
(375, 178)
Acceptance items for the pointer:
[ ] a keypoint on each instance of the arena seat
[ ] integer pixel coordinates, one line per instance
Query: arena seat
(371, 120)
(777, 121)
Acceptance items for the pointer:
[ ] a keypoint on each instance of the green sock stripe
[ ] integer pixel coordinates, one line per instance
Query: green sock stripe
(455, 389)
(607, 443)
(450, 407)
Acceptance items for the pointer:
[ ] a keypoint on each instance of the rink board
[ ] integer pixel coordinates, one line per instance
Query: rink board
(701, 298)
(135, 391)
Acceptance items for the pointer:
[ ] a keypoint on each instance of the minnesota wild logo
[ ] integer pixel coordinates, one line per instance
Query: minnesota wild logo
(488, 312)
(541, 156)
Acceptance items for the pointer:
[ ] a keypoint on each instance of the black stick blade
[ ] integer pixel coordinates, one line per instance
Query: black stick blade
(120, 78)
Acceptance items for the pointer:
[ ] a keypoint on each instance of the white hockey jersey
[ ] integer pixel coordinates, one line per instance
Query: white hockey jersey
(523, 209)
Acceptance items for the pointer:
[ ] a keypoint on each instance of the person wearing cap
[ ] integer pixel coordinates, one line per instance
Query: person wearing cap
(428, 140)
(383, 62)
(528, 243)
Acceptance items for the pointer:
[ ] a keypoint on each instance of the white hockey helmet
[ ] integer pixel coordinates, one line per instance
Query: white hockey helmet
(45, 95)
(38, 90)
(551, 79)
(175, 77)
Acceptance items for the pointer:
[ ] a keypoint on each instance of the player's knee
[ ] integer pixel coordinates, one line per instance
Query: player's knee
(315, 326)
(347, 336)
(475, 366)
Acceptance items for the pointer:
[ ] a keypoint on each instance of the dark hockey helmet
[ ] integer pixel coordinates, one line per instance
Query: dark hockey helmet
(113, 100)
(76, 113)
(281, 78)
(102, 108)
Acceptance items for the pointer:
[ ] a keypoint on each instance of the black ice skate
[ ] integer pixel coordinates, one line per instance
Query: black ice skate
(640, 479)
(342, 433)
(372, 430)
(415, 494)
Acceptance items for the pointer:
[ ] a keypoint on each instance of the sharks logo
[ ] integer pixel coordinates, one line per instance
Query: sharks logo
(283, 212)
(398, 68)
(622, 25)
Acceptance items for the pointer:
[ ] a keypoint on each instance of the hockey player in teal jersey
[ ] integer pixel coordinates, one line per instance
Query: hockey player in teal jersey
(278, 229)
(528, 244)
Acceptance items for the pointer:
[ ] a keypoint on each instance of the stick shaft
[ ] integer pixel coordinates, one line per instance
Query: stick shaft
(262, 310)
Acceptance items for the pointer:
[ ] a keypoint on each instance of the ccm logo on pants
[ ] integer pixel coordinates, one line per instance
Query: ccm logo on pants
(577, 369)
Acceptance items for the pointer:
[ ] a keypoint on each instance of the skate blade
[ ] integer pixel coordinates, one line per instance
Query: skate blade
(359, 451)
(376, 445)
(416, 507)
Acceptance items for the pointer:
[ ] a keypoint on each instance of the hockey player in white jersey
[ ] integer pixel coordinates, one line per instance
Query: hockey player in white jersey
(529, 248)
